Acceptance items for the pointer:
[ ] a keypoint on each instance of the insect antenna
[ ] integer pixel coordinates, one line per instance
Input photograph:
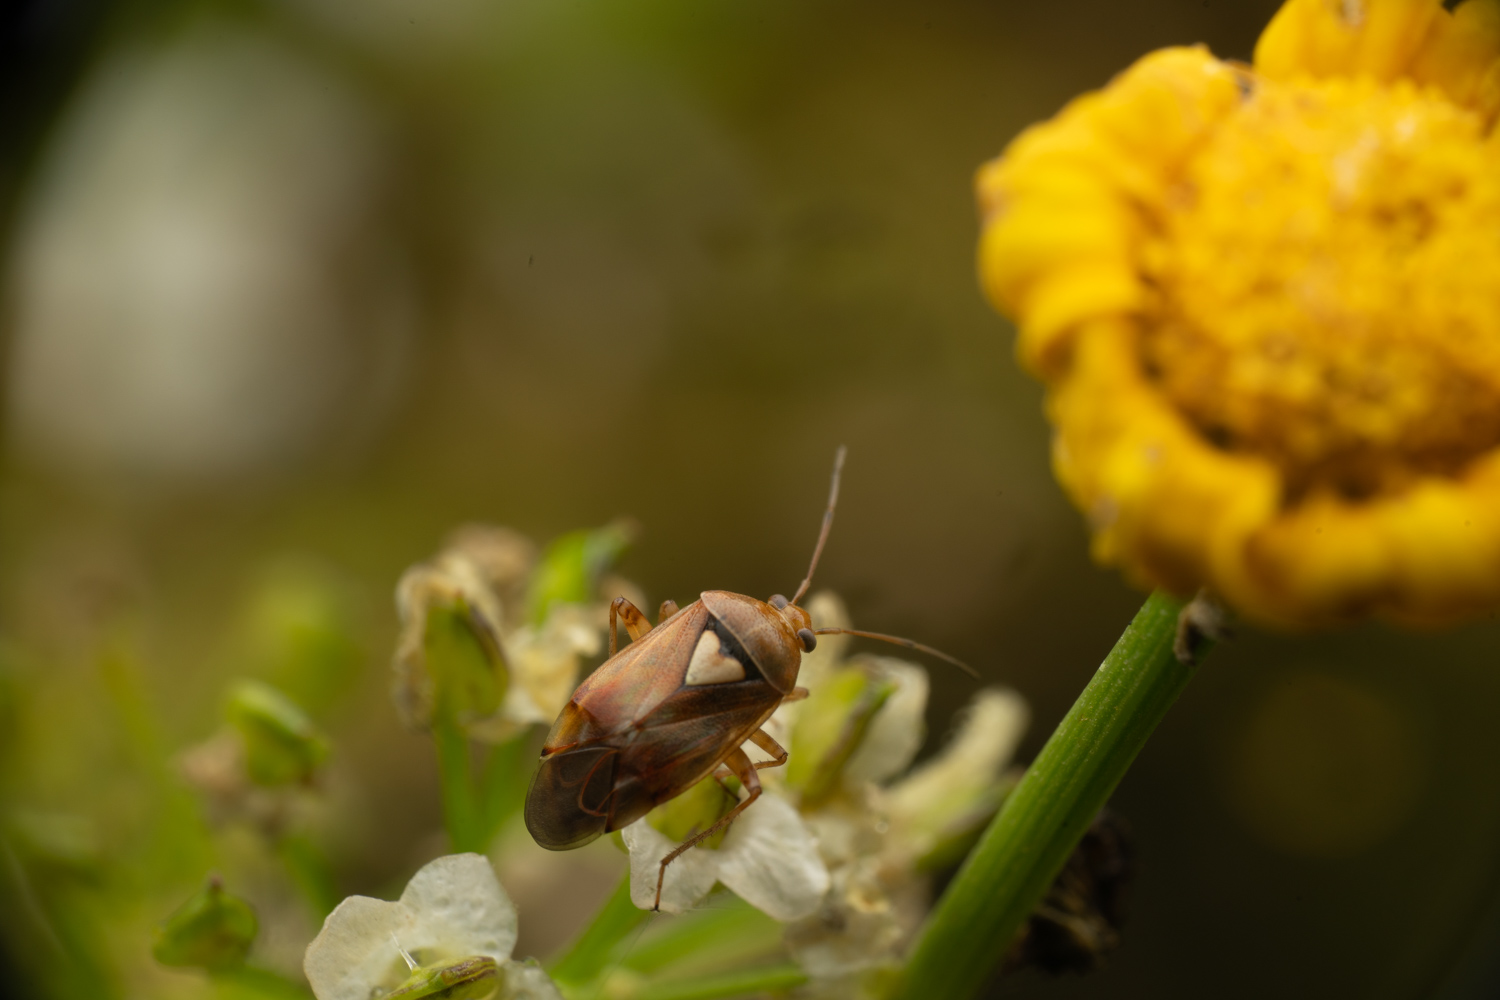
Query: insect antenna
(896, 640)
(833, 499)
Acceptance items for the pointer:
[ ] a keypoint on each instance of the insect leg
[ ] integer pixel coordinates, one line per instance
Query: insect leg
(636, 623)
(668, 609)
(797, 695)
(745, 771)
(762, 739)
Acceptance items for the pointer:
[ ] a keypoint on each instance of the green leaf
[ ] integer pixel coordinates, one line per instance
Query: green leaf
(572, 566)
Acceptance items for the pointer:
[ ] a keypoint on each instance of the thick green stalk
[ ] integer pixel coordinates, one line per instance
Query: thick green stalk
(1025, 846)
(588, 955)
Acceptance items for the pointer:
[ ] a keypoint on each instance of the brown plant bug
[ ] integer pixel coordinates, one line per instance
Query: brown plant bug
(675, 706)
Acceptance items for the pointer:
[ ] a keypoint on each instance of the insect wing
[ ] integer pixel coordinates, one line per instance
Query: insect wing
(631, 684)
(693, 731)
(571, 794)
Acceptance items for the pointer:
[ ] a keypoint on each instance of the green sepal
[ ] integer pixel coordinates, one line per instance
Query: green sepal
(469, 676)
(829, 728)
(282, 745)
(571, 567)
(695, 810)
(958, 832)
(469, 979)
(212, 930)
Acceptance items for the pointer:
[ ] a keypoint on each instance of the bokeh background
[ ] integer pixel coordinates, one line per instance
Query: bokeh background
(293, 287)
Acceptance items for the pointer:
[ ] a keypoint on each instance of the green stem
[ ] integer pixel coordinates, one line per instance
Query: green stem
(502, 788)
(1026, 844)
(741, 983)
(253, 981)
(461, 808)
(588, 955)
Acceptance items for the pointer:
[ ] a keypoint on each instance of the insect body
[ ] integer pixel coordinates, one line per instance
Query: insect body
(673, 708)
(664, 713)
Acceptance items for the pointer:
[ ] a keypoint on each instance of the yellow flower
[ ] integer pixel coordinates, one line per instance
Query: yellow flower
(1266, 301)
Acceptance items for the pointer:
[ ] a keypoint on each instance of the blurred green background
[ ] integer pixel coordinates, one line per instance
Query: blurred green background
(293, 288)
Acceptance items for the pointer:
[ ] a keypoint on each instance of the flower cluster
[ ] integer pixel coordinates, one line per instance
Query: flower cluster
(1263, 299)
(839, 845)
(492, 635)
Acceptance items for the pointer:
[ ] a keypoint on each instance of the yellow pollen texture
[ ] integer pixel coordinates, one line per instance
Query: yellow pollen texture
(1325, 277)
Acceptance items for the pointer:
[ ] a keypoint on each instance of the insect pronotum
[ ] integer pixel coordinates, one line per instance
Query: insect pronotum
(676, 706)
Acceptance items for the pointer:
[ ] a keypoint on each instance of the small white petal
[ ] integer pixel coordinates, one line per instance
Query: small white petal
(856, 927)
(353, 954)
(461, 909)
(453, 908)
(688, 879)
(896, 733)
(987, 736)
(770, 860)
(544, 664)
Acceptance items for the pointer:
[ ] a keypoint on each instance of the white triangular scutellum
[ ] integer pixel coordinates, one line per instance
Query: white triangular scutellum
(769, 859)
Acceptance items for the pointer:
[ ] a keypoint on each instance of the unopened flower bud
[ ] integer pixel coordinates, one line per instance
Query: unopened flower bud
(212, 930)
(448, 662)
(830, 728)
(282, 745)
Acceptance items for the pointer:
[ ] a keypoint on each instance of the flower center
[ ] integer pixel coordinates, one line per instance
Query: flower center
(1329, 278)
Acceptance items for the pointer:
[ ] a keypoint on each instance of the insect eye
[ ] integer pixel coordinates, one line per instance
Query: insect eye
(778, 602)
(809, 641)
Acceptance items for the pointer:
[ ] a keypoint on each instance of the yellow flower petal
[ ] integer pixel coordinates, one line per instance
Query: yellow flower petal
(1323, 38)
(1266, 311)
(1461, 55)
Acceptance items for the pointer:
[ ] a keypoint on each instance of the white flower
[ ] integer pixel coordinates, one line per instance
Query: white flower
(768, 858)
(483, 573)
(452, 910)
(544, 668)
(875, 842)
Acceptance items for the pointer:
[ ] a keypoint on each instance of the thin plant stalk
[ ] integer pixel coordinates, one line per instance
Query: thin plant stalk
(463, 814)
(1025, 846)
